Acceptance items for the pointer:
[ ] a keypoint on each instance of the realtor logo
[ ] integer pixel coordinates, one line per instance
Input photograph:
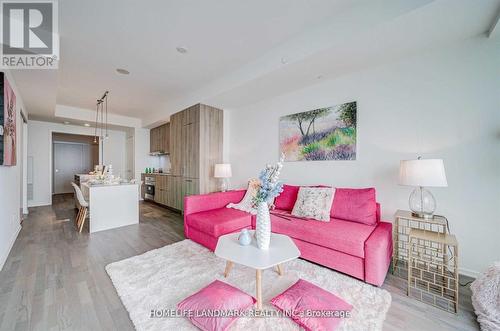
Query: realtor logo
(29, 34)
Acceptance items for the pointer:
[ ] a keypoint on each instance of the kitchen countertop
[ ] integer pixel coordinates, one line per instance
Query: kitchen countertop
(107, 184)
(159, 174)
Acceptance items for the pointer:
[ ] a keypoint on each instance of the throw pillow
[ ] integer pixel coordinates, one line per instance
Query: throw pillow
(312, 307)
(246, 204)
(287, 198)
(314, 202)
(356, 205)
(217, 296)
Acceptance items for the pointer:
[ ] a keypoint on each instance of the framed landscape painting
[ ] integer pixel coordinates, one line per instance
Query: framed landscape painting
(320, 134)
(7, 123)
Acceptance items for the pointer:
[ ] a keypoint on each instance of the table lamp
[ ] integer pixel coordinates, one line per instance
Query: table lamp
(223, 171)
(422, 173)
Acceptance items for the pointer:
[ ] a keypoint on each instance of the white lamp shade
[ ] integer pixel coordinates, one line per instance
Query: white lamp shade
(428, 173)
(222, 170)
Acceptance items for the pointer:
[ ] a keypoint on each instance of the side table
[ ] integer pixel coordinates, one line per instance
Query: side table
(433, 268)
(404, 221)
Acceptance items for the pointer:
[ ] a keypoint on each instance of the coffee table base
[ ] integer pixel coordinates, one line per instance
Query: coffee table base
(258, 280)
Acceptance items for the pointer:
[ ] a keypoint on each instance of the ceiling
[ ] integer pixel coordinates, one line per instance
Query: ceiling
(234, 46)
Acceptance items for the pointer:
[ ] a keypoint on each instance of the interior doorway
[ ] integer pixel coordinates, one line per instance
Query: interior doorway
(72, 154)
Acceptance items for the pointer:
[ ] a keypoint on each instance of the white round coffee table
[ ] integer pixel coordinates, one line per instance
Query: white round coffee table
(282, 249)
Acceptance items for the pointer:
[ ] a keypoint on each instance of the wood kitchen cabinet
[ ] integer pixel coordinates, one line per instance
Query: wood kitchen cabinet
(176, 144)
(195, 146)
(161, 189)
(190, 186)
(159, 139)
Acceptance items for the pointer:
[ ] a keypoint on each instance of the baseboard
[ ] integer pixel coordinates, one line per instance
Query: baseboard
(5, 255)
(468, 272)
(39, 204)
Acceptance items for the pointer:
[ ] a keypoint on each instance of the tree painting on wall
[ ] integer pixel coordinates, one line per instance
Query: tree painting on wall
(320, 134)
(7, 123)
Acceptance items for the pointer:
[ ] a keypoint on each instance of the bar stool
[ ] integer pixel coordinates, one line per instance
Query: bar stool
(82, 211)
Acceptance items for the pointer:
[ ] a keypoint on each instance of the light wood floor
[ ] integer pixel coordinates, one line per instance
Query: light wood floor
(54, 277)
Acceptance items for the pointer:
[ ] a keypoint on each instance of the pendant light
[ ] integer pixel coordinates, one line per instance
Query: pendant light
(101, 121)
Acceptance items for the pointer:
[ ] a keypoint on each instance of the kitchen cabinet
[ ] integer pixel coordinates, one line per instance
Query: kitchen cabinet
(161, 188)
(195, 146)
(190, 186)
(176, 144)
(159, 139)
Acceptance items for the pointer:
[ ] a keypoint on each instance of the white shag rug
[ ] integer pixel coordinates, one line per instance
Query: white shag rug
(161, 278)
(486, 298)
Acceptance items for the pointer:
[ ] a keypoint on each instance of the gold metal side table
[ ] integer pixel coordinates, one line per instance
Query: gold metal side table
(433, 268)
(403, 223)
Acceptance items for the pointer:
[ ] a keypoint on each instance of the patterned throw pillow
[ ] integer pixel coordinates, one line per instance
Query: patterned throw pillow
(314, 202)
(246, 204)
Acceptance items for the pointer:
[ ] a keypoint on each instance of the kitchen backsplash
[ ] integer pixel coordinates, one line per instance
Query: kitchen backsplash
(162, 161)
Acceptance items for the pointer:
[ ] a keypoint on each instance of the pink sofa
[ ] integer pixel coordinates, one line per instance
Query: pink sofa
(359, 245)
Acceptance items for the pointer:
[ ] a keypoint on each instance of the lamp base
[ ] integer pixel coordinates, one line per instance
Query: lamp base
(423, 215)
(224, 184)
(422, 203)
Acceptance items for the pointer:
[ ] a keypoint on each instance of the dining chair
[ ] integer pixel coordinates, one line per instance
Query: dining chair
(82, 211)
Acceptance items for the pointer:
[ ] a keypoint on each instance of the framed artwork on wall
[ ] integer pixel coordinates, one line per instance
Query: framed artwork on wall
(7, 123)
(320, 135)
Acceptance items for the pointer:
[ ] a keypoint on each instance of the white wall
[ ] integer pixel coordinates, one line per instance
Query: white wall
(40, 148)
(442, 104)
(141, 148)
(10, 188)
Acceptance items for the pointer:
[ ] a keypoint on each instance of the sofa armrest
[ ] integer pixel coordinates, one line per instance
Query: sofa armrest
(204, 202)
(377, 213)
(378, 253)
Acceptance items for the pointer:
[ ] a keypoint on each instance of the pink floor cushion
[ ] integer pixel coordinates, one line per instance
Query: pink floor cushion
(218, 298)
(312, 307)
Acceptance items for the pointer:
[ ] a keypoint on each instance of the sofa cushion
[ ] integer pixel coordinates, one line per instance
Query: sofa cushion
(246, 204)
(340, 235)
(218, 222)
(314, 202)
(286, 199)
(356, 205)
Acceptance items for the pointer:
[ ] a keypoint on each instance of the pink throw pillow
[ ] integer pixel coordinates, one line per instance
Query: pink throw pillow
(286, 199)
(356, 205)
(312, 307)
(218, 296)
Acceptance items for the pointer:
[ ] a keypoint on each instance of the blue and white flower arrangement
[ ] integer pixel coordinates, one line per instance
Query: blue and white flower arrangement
(270, 186)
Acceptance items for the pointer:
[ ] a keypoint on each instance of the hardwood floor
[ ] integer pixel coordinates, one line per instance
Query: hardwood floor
(54, 277)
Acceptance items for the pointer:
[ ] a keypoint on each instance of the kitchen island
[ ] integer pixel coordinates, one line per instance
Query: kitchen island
(111, 205)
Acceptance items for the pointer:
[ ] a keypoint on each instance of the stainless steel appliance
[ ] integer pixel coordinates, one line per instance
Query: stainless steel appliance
(149, 191)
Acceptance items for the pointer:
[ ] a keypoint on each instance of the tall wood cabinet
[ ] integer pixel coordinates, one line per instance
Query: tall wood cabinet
(195, 147)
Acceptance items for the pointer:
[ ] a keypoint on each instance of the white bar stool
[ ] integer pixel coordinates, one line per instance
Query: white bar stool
(82, 211)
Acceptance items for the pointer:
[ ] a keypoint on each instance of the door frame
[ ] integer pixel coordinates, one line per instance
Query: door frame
(24, 164)
(51, 156)
(54, 143)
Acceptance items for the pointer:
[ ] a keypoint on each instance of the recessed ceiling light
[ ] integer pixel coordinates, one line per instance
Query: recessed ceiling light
(182, 50)
(66, 122)
(284, 60)
(122, 71)
(86, 124)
